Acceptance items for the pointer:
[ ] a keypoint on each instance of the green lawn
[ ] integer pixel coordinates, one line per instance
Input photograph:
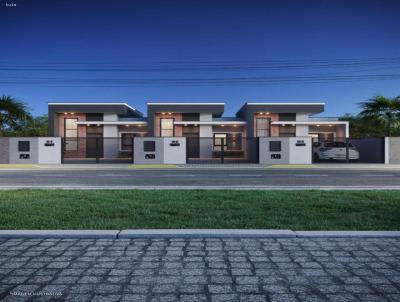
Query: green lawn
(119, 209)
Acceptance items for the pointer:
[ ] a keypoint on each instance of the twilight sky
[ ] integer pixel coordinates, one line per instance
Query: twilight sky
(340, 52)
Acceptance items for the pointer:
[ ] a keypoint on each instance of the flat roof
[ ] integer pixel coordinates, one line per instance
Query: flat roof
(88, 106)
(92, 103)
(282, 107)
(191, 103)
(285, 103)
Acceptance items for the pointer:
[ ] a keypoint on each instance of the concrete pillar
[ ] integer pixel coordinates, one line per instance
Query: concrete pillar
(205, 131)
(111, 139)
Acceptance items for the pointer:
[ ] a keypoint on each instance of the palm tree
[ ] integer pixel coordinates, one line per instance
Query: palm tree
(13, 114)
(385, 110)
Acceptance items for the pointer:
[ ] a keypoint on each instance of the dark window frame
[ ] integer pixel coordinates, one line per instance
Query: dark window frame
(173, 126)
(225, 140)
(286, 134)
(287, 117)
(128, 146)
(77, 132)
(269, 126)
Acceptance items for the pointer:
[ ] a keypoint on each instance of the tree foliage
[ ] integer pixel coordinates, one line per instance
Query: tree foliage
(380, 116)
(15, 119)
(14, 115)
(384, 111)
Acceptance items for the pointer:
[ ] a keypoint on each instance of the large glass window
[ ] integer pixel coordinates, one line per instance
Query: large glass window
(71, 134)
(230, 141)
(287, 130)
(234, 141)
(220, 139)
(167, 127)
(263, 126)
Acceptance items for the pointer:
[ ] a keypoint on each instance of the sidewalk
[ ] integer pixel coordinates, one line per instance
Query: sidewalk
(324, 166)
(208, 269)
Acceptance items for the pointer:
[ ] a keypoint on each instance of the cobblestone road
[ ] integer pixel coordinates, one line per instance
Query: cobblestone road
(200, 270)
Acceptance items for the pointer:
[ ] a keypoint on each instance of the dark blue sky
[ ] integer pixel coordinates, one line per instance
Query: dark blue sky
(198, 33)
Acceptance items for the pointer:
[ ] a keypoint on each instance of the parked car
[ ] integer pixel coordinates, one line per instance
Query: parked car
(329, 150)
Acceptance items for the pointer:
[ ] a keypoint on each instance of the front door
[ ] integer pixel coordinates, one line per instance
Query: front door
(94, 146)
(193, 146)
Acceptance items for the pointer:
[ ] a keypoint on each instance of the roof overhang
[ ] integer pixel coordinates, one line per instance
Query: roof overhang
(312, 123)
(128, 123)
(205, 104)
(219, 123)
(95, 107)
(317, 124)
(289, 107)
(216, 109)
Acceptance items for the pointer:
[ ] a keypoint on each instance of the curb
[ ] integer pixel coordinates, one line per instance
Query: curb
(78, 234)
(347, 234)
(192, 233)
(209, 233)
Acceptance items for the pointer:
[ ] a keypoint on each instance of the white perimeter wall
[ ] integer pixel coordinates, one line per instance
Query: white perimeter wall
(15, 155)
(42, 150)
(49, 154)
(175, 154)
(299, 154)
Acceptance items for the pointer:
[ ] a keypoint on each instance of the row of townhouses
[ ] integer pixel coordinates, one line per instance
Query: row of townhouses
(179, 133)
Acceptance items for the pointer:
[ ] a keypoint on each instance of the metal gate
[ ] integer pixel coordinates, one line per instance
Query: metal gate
(350, 150)
(97, 150)
(220, 150)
